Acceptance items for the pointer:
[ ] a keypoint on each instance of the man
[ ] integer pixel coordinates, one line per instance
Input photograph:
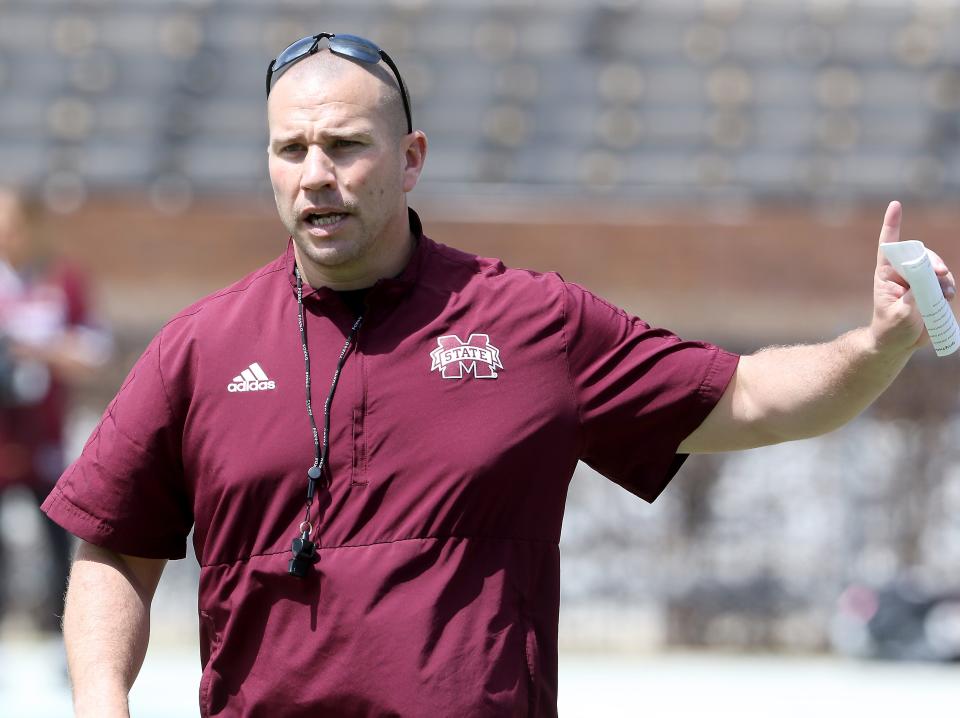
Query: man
(48, 340)
(424, 511)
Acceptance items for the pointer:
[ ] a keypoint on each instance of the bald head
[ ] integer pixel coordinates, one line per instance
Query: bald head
(318, 73)
(341, 164)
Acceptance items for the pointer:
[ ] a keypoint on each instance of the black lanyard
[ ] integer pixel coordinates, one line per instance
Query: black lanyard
(304, 549)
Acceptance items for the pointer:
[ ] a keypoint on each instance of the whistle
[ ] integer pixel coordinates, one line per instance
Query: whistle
(304, 555)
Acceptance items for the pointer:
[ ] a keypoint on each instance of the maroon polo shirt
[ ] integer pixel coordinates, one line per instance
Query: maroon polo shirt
(470, 395)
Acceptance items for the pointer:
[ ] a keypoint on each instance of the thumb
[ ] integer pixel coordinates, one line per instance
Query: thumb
(890, 232)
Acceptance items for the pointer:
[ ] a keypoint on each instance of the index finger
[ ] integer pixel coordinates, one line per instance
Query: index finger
(890, 232)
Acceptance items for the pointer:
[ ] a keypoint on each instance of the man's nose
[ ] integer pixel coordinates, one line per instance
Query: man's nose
(318, 170)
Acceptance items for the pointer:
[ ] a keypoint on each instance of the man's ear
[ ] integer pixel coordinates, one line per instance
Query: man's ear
(415, 154)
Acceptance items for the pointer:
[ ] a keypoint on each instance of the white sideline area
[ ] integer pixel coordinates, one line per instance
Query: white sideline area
(33, 685)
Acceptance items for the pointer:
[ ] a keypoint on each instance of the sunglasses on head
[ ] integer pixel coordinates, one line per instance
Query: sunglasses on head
(351, 46)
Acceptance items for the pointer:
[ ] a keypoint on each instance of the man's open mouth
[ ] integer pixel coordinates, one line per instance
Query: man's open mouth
(324, 220)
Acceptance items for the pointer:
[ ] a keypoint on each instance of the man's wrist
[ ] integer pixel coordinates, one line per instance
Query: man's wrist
(869, 347)
(104, 700)
(866, 342)
(101, 708)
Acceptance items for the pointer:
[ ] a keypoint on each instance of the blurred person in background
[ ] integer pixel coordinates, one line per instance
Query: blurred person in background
(397, 553)
(47, 342)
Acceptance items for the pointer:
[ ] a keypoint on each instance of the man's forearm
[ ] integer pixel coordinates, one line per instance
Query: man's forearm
(797, 392)
(794, 392)
(106, 627)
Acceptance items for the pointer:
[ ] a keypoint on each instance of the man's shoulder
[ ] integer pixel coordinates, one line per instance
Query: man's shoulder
(255, 288)
(453, 266)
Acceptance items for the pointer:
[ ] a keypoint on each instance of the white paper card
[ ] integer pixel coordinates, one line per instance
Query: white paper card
(912, 262)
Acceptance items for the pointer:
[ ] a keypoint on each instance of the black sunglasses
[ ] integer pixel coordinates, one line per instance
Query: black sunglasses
(352, 46)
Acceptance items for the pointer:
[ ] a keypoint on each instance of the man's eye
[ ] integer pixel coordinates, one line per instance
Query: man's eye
(291, 148)
(343, 144)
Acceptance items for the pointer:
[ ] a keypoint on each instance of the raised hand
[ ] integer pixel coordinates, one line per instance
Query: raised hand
(897, 325)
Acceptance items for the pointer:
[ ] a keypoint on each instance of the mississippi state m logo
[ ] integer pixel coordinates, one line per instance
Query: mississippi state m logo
(476, 356)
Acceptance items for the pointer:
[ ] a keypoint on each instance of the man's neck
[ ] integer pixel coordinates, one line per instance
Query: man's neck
(361, 274)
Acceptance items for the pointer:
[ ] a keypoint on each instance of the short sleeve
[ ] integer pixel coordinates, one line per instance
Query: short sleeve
(640, 391)
(126, 491)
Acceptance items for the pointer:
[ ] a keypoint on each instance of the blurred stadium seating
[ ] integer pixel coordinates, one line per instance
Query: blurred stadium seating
(678, 97)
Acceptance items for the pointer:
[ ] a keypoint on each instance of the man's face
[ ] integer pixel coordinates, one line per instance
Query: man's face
(339, 167)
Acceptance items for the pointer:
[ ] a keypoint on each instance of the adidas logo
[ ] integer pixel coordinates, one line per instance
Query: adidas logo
(253, 378)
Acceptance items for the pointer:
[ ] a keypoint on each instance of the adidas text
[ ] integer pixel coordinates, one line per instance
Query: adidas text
(251, 385)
